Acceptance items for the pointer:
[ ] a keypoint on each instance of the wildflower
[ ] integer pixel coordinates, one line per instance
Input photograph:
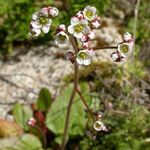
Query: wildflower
(41, 21)
(99, 126)
(117, 57)
(32, 122)
(89, 13)
(125, 49)
(83, 57)
(61, 39)
(78, 27)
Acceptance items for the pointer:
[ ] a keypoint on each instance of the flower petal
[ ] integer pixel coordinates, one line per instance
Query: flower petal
(87, 62)
(74, 20)
(35, 16)
(35, 24)
(71, 29)
(45, 28)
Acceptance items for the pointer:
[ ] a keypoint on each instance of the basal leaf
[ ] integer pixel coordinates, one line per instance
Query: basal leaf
(22, 114)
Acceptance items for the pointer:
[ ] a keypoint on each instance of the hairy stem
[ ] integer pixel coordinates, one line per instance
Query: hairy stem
(76, 78)
(84, 102)
(104, 47)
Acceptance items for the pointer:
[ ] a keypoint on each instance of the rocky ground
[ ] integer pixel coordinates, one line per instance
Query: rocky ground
(22, 77)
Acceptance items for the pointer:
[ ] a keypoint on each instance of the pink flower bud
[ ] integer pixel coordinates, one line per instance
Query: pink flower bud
(86, 45)
(96, 24)
(91, 35)
(31, 122)
(79, 15)
(117, 57)
(131, 42)
(70, 56)
(62, 27)
(84, 38)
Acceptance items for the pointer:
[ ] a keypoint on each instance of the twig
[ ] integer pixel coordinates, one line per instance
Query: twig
(84, 102)
(76, 75)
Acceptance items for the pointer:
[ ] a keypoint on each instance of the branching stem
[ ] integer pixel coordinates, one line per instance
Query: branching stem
(84, 102)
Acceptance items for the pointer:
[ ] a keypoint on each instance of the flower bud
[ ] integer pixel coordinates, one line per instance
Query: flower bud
(32, 122)
(70, 56)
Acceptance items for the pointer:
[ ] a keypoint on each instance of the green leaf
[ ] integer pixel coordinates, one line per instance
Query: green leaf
(56, 116)
(22, 114)
(44, 100)
(24, 142)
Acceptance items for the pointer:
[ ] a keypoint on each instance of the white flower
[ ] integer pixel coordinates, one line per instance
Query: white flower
(127, 36)
(125, 49)
(117, 57)
(83, 57)
(98, 126)
(78, 27)
(34, 32)
(61, 39)
(41, 22)
(89, 13)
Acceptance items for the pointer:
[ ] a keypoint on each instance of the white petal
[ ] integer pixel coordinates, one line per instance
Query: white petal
(35, 24)
(87, 62)
(49, 22)
(35, 32)
(74, 20)
(78, 35)
(35, 16)
(45, 29)
(86, 30)
(84, 21)
(71, 29)
(79, 61)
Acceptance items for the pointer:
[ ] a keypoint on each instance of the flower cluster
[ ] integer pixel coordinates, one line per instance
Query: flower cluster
(124, 49)
(42, 20)
(81, 28)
